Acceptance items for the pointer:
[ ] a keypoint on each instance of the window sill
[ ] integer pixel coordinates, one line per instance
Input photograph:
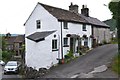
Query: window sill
(84, 30)
(66, 46)
(54, 49)
(65, 28)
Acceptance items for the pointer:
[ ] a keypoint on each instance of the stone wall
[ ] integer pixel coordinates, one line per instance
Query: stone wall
(30, 73)
(101, 34)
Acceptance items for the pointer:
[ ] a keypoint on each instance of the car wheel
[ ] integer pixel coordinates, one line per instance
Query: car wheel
(5, 73)
(17, 71)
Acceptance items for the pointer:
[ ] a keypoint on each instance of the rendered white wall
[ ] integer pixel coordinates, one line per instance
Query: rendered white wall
(76, 28)
(40, 54)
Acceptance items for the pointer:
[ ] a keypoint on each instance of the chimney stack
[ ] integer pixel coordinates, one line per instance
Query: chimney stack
(73, 8)
(85, 10)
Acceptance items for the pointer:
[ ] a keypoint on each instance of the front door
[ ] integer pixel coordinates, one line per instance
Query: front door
(71, 45)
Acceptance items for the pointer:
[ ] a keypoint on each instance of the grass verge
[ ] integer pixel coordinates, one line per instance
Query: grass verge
(116, 64)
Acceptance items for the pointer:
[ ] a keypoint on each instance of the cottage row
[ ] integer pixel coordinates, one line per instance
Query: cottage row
(51, 32)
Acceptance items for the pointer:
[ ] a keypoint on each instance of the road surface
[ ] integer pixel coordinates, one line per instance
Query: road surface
(83, 65)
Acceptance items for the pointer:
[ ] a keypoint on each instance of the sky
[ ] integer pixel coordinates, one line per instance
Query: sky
(14, 13)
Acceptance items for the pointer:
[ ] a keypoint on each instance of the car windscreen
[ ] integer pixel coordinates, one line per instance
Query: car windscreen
(11, 64)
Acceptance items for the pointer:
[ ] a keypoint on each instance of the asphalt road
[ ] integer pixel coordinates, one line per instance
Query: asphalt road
(102, 55)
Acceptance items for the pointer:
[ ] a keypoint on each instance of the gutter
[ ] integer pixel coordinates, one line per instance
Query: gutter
(61, 43)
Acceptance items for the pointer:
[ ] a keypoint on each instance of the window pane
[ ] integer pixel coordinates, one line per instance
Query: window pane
(54, 44)
(65, 41)
(65, 25)
(38, 23)
(84, 27)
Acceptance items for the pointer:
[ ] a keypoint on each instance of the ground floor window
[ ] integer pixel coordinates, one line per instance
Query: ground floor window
(54, 44)
(86, 42)
(65, 42)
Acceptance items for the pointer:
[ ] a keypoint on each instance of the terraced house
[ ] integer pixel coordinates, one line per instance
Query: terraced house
(52, 32)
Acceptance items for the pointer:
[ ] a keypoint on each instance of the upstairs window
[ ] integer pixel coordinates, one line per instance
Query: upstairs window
(65, 24)
(84, 27)
(38, 24)
(65, 42)
(54, 45)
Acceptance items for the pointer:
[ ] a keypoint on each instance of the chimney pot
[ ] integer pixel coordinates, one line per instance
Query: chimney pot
(73, 8)
(85, 10)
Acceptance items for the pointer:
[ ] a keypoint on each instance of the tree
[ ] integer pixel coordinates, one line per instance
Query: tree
(114, 7)
(3, 43)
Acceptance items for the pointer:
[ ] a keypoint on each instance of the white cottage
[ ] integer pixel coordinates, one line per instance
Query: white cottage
(51, 32)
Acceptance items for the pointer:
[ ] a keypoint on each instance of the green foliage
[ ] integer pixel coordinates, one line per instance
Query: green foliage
(104, 42)
(80, 52)
(113, 6)
(116, 64)
(69, 55)
(6, 55)
(3, 43)
(115, 9)
(114, 41)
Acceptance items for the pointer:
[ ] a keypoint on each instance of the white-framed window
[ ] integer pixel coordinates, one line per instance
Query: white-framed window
(54, 44)
(38, 24)
(65, 24)
(66, 42)
(84, 27)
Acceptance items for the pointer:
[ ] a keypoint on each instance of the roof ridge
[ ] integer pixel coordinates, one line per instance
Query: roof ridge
(56, 7)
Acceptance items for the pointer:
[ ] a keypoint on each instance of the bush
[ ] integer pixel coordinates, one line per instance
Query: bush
(104, 42)
(80, 52)
(114, 41)
(69, 56)
(6, 55)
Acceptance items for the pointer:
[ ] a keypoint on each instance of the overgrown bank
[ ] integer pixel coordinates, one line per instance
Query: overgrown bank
(116, 64)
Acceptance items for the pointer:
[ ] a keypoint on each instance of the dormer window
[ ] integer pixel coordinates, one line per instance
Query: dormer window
(38, 24)
(65, 24)
(84, 27)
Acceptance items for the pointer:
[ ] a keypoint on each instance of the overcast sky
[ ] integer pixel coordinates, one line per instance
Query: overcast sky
(14, 13)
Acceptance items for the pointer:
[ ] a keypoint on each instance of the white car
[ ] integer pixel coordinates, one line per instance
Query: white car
(2, 63)
(12, 66)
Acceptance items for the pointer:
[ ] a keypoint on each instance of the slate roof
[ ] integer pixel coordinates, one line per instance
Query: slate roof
(39, 36)
(66, 15)
(94, 21)
(20, 38)
(10, 40)
(62, 14)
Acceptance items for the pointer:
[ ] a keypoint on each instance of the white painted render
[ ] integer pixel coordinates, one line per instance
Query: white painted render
(40, 54)
(76, 28)
(47, 21)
